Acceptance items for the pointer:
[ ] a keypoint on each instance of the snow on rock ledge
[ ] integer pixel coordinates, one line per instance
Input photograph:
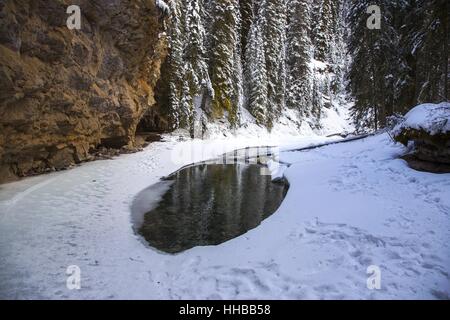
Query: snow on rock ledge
(428, 127)
(429, 117)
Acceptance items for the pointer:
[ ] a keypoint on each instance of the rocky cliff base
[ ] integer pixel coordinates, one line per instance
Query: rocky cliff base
(431, 152)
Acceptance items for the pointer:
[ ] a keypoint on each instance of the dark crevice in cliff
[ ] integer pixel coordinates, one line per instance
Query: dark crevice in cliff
(113, 142)
(151, 121)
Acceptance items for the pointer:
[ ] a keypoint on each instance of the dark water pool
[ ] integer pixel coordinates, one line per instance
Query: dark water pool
(209, 204)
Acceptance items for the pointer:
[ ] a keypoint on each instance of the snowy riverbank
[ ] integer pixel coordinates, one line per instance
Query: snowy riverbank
(349, 206)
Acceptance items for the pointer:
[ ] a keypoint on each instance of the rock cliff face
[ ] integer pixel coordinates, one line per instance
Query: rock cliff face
(64, 93)
(431, 152)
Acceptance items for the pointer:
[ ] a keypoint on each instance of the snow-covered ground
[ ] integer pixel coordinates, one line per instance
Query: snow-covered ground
(349, 206)
(334, 120)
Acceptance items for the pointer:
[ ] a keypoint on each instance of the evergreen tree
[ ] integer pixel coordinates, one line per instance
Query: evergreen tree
(257, 76)
(373, 66)
(329, 57)
(428, 37)
(224, 59)
(324, 30)
(404, 95)
(197, 79)
(299, 55)
(238, 75)
(246, 14)
(175, 65)
(338, 55)
(273, 23)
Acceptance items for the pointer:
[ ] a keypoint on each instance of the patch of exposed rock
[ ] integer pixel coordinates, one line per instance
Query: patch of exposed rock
(65, 94)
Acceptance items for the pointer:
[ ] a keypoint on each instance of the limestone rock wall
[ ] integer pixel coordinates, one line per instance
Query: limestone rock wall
(64, 93)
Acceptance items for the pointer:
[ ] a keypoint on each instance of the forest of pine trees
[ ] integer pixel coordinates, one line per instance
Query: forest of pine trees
(262, 56)
(402, 64)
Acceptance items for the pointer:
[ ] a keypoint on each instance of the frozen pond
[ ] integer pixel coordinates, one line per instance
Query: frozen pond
(207, 204)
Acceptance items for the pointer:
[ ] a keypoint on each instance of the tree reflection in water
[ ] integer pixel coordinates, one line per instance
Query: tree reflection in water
(209, 204)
